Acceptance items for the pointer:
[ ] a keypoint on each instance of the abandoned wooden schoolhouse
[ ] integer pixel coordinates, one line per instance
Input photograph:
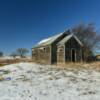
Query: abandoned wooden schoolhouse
(60, 48)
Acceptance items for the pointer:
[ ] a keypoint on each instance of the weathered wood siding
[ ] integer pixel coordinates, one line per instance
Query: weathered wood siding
(35, 54)
(54, 49)
(60, 54)
(41, 55)
(73, 44)
(67, 54)
(64, 53)
(56, 54)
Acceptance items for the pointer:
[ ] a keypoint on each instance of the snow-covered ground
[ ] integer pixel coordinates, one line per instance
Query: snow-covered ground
(28, 81)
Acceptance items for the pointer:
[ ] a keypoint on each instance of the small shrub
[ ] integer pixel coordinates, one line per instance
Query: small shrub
(6, 72)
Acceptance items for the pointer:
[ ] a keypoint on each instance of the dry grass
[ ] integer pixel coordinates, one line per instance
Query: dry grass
(12, 61)
(79, 66)
(66, 66)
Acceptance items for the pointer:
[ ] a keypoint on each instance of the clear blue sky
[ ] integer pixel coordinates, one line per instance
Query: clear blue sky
(24, 22)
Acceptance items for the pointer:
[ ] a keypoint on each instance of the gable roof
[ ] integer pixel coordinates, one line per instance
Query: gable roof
(49, 40)
(64, 40)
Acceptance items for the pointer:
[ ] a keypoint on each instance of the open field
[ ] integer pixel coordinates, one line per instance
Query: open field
(30, 81)
(12, 61)
(79, 66)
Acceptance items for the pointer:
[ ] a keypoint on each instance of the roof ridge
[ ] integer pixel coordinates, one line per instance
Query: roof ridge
(68, 37)
(49, 40)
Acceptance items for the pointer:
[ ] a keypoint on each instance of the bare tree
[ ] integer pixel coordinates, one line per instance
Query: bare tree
(1, 53)
(88, 36)
(22, 52)
(13, 54)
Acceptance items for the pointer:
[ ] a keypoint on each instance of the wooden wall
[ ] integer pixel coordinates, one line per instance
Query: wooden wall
(60, 54)
(53, 54)
(41, 55)
(73, 44)
(65, 55)
(54, 48)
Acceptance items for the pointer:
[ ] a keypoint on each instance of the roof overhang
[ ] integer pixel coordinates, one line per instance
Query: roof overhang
(67, 38)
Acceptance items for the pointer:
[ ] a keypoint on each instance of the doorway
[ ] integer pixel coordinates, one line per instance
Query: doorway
(73, 55)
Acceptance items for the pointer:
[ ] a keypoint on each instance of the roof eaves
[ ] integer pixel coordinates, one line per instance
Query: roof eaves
(48, 42)
(38, 46)
(63, 41)
(67, 38)
(78, 40)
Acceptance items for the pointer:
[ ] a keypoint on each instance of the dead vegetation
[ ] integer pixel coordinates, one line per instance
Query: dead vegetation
(13, 61)
(64, 66)
(79, 66)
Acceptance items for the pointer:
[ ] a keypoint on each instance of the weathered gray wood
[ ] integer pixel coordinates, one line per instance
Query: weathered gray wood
(54, 53)
(71, 44)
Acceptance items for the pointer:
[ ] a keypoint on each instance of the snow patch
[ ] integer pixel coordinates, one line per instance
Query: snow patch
(41, 82)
